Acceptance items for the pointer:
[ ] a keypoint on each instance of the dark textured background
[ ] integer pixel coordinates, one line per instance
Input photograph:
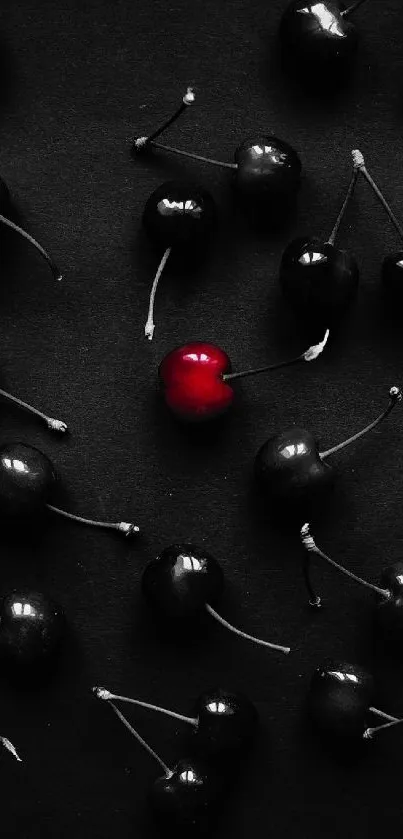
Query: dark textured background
(79, 79)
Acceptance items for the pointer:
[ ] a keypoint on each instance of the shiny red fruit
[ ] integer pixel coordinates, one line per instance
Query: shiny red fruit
(193, 381)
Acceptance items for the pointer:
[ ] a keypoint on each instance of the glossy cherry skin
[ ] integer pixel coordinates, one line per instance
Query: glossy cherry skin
(392, 276)
(268, 174)
(180, 215)
(27, 478)
(182, 580)
(339, 699)
(192, 379)
(317, 39)
(227, 722)
(31, 626)
(318, 281)
(389, 613)
(184, 800)
(289, 468)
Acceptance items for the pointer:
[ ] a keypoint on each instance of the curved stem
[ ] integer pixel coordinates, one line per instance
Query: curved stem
(10, 748)
(52, 265)
(311, 546)
(150, 325)
(314, 600)
(102, 693)
(352, 8)
(394, 397)
(369, 733)
(187, 100)
(310, 354)
(140, 740)
(53, 424)
(360, 164)
(122, 526)
(193, 156)
(332, 237)
(229, 626)
(382, 715)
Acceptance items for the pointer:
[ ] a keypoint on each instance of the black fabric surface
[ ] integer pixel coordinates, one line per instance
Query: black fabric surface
(79, 81)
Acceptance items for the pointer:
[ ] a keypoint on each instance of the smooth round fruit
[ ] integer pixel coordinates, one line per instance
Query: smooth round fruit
(339, 699)
(316, 39)
(31, 626)
(192, 378)
(182, 580)
(389, 613)
(27, 478)
(288, 467)
(227, 722)
(180, 215)
(268, 173)
(185, 799)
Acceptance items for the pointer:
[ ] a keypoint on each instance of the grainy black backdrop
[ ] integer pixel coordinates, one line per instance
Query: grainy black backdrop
(79, 79)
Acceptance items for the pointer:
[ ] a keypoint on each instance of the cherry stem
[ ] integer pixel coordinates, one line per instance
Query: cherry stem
(332, 238)
(229, 626)
(53, 267)
(310, 354)
(142, 142)
(395, 396)
(102, 693)
(193, 156)
(150, 325)
(383, 715)
(352, 8)
(314, 600)
(359, 162)
(310, 545)
(122, 526)
(53, 424)
(140, 740)
(10, 748)
(369, 733)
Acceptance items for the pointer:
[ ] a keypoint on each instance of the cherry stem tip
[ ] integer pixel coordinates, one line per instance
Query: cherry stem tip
(10, 748)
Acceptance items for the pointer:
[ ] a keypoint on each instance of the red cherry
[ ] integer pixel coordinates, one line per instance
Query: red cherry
(193, 381)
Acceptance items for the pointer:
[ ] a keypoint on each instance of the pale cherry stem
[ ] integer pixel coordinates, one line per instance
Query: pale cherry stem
(167, 770)
(239, 632)
(394, 396)
(10, 748)
(193, 156)
(352, 8)
(53, 424)
(150, 325)
(310, 354)
(142, 142)
(102, 693)
(124, 527)
(53, 267)
(360, 164)
(382, 715)
(311, 546)
(332, 238)
(369, 733)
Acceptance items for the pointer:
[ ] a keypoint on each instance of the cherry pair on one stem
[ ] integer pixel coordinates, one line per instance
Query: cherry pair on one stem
(318, 40)
(292, 470)
(184, 583)
(340, 699)
(223, 722)
(389, 592)
(318, 279)
(197, 378)
(27, 480)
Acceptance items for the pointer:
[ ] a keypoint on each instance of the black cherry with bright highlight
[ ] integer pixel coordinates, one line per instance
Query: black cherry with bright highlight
(293, 472)
(5, 207)
(317, 278)
(392, 268)
(340, 700)
(184, 583)
(179, 217)
(184, 795)
(223, 721)
(318, 40)
(31, 627)
(197, 377)
(267, 170)
(27, 480)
